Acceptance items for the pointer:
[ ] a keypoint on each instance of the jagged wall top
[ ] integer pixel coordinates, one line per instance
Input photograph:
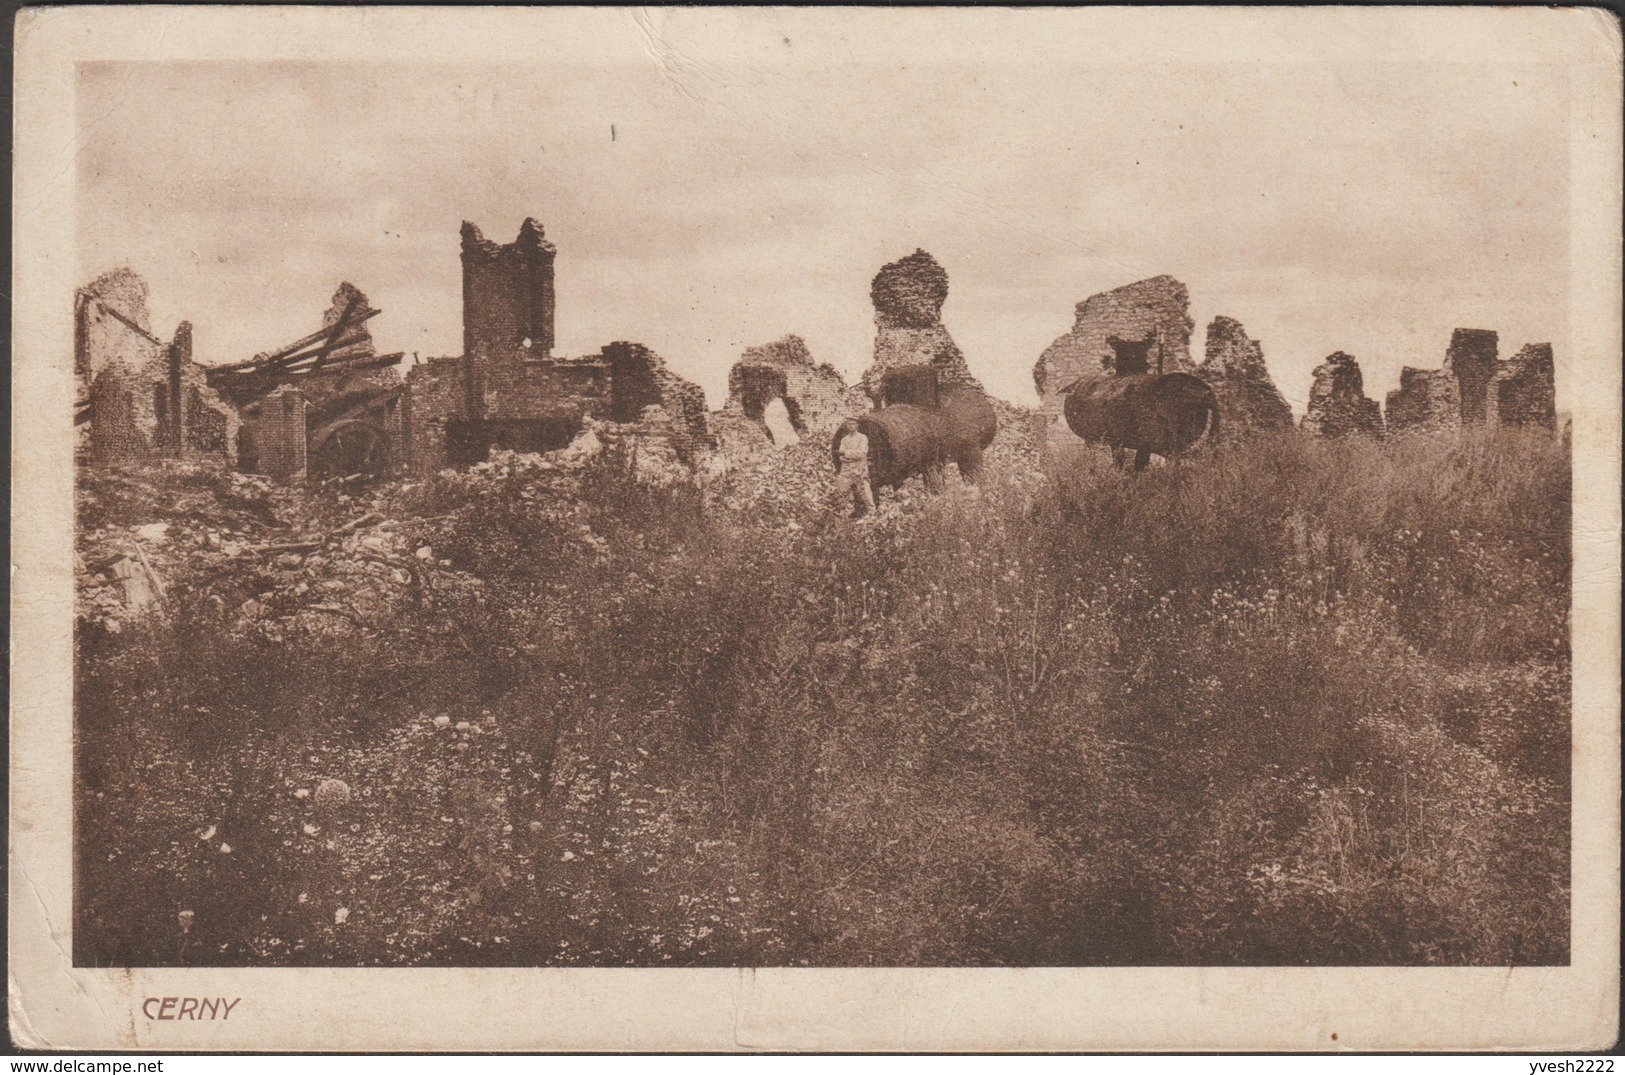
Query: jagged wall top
(125, 290)
(909, 292)
(531, 237)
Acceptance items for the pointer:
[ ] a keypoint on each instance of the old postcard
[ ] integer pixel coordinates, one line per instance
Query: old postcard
(729, 529)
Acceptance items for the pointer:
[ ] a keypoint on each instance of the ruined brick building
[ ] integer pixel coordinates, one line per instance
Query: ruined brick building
(139, 397)
(1338, 405)
(777, 394)
(329, 405)
(326, 405)
(1145, 327)
(508, 390)
(1474, 387)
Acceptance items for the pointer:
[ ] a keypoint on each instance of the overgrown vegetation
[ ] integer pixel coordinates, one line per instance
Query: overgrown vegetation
(1292, 703)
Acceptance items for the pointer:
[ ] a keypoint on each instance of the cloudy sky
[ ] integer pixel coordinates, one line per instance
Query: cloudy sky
(702, 203)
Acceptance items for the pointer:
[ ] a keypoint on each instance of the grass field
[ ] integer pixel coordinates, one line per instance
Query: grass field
(1295, 702)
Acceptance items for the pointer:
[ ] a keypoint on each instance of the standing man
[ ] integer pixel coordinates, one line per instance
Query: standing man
(852, 467)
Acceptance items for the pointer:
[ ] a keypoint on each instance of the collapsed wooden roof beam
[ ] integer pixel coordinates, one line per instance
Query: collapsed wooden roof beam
(338, 328)
(275, 358)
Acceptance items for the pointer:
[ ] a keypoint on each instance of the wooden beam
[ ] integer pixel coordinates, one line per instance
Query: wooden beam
(271, 358)
(315, 352)
(131, 324)
(338, 327)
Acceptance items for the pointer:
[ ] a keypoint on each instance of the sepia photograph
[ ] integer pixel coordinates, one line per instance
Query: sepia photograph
(826, 490)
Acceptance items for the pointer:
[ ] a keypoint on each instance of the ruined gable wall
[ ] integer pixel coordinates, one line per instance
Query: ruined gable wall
(346, 297)
(149, 397)
(103, 339)
(123, 366)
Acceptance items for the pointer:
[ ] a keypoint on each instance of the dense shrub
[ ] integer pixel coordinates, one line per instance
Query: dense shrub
(1293, 702)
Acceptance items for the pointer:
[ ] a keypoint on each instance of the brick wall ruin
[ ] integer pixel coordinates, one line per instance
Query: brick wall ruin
(1338, 406)
(814, 398)
(1523, 391)
(438, 391)
(1425, 401)
(508, 390)
(145, 397)
(279, 436)
(1471, 359)
(1233, 365)
(908, 295)
(1473, 387)
(1154, 312)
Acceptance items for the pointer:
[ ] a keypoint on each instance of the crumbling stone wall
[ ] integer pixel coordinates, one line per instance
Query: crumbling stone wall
(1474, 387)
(436, 391)
(148, 397)
(1471, 359)
(508, 294)
(514, 391)
(641, 380)
(815, 396)
(1523, 391)
(1233, 366)
(908, 295)
(1338, 406)
(1425, 401)
(1155, 311)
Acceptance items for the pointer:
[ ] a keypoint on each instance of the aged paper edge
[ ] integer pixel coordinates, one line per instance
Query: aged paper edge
(54, 1005)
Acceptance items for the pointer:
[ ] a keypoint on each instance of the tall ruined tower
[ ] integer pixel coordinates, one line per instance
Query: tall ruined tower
(507, 306)
(1472, 359)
